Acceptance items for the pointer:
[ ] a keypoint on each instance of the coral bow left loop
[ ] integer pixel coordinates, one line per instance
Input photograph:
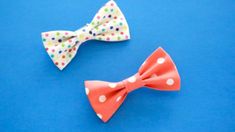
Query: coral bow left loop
(157, 72)
(109, 24)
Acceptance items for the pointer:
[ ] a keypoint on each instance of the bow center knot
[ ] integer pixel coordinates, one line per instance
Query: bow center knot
(133, 82)
(85, 33)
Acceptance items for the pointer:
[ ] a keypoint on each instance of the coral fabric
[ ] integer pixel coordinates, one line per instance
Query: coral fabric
(109, 24)
(157, 72)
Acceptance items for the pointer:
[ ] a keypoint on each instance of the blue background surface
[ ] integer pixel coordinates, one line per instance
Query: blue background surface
(198, 34)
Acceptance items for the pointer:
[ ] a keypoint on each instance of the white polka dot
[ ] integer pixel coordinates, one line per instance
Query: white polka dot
(132, 79)
(170, 81)
(118, 98)
(112, 85)
(87, 91)
(102, 98)
(144, 63)
(99, 115)
(160, 60)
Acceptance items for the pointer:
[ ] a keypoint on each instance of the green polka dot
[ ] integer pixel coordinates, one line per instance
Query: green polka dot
(57, 33)
(103, 30)
(69, 46)
(43, 40)
(106, 9)
(99, 38)
(92, 23)
(120, 24)
(111, 10)
(63, 45)
(52, 56)
(70, 55)
(118, 37)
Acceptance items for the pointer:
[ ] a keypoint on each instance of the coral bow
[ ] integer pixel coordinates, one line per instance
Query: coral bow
(157, 72)
(109, 24)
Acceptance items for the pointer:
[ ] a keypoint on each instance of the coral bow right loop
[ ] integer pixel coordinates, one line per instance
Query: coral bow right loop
(157, 72)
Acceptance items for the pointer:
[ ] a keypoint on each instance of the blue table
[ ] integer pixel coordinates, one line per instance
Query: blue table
(198, 34)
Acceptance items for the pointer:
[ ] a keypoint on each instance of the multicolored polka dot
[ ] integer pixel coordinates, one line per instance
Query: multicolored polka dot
(59, 40)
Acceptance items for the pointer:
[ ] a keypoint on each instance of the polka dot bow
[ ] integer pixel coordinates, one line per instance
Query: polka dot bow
(109, 24)
(157, 72)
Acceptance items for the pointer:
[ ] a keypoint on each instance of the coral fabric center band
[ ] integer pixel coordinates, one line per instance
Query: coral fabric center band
(109, 24)
(133, 83)
(157, 72)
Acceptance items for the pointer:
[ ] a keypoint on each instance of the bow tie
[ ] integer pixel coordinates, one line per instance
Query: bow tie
(157, 72)
(109, 24)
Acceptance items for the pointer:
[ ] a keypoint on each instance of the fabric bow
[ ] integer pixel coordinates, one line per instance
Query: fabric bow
(157, 72)
(109, 24)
